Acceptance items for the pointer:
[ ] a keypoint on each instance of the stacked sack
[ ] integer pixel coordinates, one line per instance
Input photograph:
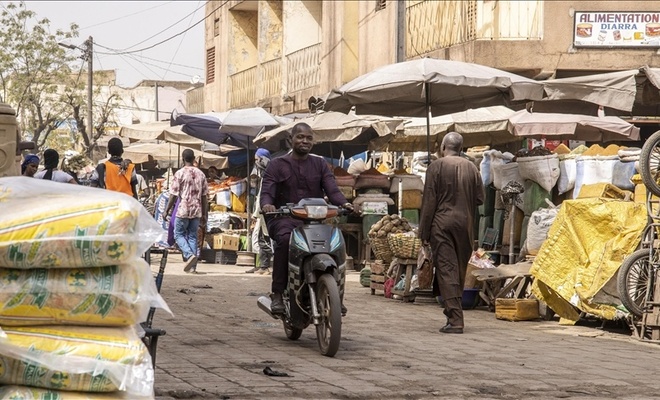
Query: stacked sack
(345, 182)
(74, 290)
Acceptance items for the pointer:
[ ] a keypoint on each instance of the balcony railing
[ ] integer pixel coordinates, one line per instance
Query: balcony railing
(270, 78)
(434, 25)
(303, 68)
(243, 87)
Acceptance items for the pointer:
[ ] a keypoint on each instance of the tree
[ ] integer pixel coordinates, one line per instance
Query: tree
(32, 64)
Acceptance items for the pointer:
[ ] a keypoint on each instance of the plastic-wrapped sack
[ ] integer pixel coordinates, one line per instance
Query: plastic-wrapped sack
(76, 358)
(538, 228)
(30, 393)
(491, 158)
(505, 173)
(621, 175)
(567, 174)
(46, 224)
(593, 169)
(408, 182)
(543, 170)
(103, 296)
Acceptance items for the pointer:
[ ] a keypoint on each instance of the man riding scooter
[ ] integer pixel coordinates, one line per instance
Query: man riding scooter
(288, 179)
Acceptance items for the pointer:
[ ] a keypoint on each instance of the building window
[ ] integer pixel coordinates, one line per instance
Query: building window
(381, 4)
(216, 27)
(210, 65)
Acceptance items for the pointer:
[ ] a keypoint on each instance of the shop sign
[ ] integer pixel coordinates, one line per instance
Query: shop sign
(616, 29)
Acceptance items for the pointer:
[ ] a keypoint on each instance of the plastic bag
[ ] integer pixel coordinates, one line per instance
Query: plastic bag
(102, 296)
(73, 358)
(387, 287)
(425, 268)
(543, 170)
(46, 224)
(27, 393)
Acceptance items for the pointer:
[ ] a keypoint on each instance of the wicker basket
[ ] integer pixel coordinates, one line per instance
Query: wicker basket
(381, 249)
(404, 246)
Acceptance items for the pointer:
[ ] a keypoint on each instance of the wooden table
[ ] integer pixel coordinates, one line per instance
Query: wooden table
(504, 281)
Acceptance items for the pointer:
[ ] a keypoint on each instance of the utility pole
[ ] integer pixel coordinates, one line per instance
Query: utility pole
(156, 103)
(89, 54)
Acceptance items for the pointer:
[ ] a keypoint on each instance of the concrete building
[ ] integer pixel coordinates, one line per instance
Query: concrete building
(277, 54)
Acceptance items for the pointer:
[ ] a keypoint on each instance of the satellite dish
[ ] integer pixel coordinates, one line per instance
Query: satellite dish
(195, 79)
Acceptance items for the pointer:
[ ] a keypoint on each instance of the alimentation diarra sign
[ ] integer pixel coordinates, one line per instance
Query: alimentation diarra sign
(617, 29)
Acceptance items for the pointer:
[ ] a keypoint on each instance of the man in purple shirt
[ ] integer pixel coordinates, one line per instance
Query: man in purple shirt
(289, 179)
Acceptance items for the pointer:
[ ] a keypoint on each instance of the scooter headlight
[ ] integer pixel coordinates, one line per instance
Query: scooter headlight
(316, 212)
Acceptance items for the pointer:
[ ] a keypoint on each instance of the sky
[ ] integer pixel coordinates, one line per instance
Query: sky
(134, 25)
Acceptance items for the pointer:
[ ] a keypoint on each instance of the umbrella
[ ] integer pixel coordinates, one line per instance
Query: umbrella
(154, 131)
(422, 87)
(335, 132)
(571, 126)
(167, 155)
(481, 126)
(620, 90)
(236, 127)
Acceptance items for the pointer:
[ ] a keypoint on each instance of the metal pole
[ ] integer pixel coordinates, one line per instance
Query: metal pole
(427, 92)
(400, 30)
(90, 82)
(156, 103)
(512, 230)
(248, 204)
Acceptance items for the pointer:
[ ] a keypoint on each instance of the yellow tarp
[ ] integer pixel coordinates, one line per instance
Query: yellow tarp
(586, 245)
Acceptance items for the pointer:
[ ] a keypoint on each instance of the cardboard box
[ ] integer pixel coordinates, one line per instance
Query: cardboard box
(517, 309)
(223, 241)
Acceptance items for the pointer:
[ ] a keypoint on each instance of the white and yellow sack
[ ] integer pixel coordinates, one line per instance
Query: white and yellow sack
(45, 224)
(82, 359)
(30, 393)
(101, 296)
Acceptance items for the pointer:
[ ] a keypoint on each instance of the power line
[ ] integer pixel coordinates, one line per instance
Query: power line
(125, 16)
(171, 26)
(152, 59)
(120, 52)
(178, 47)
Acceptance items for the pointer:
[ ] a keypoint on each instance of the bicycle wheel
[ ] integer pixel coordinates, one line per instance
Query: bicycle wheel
(633, 280)
(328, 331)
(649, 163)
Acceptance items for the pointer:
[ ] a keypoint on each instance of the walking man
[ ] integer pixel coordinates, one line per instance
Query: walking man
(190, 186)
(289, 179)
(116, 174)
(452, 192)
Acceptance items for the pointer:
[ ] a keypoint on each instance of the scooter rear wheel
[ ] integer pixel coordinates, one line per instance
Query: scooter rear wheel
(328, 331)
(291, 332)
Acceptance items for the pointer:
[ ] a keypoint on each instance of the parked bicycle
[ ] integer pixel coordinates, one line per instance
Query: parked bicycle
(639, 271)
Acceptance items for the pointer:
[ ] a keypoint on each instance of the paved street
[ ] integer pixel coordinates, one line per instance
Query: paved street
(219, 342)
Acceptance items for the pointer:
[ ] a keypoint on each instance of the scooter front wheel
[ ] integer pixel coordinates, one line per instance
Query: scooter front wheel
(291, 332)
(328, 331)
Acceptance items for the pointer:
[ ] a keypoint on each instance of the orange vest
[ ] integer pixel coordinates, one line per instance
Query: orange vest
(116, 181)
